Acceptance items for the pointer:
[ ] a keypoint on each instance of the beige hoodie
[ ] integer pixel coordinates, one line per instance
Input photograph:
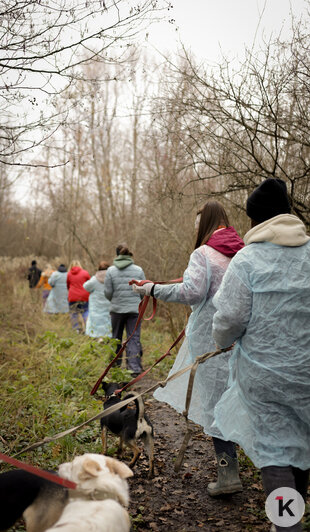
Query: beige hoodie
(284, 230)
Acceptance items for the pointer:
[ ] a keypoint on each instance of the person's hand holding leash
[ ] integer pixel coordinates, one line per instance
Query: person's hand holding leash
(144, 290)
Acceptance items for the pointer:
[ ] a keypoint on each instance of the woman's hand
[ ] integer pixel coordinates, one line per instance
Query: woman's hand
(144, 290)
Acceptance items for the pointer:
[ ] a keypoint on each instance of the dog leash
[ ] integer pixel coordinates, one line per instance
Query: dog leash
(139, 377)
(113, 408)
(38, 472)
(188, 434)
(142, 308)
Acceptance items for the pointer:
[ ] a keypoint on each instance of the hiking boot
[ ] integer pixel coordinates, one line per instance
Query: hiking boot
(228, 480)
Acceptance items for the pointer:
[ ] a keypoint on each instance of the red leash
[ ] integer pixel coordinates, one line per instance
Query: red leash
(142, 308)
(38, 472)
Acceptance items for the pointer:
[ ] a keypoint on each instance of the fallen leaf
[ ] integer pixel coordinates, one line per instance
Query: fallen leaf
(139, 490)
(165, 508)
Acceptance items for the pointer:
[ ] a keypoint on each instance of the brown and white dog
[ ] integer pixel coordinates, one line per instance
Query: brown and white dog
(100, 500)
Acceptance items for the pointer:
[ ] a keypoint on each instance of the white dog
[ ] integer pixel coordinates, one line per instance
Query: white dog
(97, 505)
(93, 516)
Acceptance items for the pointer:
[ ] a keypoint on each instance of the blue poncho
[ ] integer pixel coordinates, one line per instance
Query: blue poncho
(263, 305)
(99, 320)
(201, 279)
(57, 301)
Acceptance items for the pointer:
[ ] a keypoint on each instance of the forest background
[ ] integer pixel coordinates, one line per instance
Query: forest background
(115, 145)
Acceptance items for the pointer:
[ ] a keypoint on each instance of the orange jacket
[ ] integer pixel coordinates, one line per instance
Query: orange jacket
(44, 280)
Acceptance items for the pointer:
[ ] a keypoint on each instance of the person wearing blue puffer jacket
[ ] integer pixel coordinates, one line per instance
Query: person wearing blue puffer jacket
(125, 304)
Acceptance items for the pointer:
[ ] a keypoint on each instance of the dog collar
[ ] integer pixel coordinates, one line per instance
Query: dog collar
(95, 495)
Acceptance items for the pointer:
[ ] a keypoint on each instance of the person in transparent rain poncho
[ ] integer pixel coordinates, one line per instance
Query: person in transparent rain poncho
(57, 300)
(98, 323)
(263, 305)
(217, 242)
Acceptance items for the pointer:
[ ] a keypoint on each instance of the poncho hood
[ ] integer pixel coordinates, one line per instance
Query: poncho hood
(100, 275)
(226, 241)
(75, 270)
(284, 230)
(122, 261)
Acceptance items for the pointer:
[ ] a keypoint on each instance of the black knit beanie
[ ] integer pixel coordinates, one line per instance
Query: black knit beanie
(268, 200)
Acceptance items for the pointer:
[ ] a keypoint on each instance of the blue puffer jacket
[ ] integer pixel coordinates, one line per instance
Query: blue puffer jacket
(116, 287)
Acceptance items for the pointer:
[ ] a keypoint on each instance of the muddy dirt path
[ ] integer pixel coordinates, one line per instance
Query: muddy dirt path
(179, 502)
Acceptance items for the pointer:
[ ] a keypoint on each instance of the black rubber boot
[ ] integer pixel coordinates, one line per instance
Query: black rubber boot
(228, 480)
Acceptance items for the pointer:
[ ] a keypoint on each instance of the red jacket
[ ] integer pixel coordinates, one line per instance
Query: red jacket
(75, 279)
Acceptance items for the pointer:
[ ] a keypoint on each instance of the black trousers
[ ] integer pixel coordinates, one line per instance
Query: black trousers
(222, 446)
(274, 477)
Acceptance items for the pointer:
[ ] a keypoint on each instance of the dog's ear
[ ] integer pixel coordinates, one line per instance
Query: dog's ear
(118, 468)
(104, 385)
(91, 469)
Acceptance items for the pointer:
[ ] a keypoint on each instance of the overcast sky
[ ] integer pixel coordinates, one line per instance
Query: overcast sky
(211, 26)
(214, 27)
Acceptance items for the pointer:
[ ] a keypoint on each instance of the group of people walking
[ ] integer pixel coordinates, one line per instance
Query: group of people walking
(251, 296)
(99, 306)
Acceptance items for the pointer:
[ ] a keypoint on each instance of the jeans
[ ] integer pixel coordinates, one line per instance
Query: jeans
(133, 349)
(45, 294)
(78, 314)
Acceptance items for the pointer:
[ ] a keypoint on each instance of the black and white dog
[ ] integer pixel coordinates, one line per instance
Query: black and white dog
(129, 423)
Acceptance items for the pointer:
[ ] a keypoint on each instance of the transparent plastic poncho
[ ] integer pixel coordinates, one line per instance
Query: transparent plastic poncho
(57, 301)
(98, 323)
(263, 305)
(201, 279)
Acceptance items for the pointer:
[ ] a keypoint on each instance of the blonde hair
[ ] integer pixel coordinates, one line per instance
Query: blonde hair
(73, 263)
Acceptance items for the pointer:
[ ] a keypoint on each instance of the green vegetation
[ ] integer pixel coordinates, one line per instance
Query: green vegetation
(47, 373)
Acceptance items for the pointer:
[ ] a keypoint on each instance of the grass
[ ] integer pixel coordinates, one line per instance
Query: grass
(47, 372)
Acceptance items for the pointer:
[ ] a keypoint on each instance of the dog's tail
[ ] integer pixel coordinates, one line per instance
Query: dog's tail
(138, 402)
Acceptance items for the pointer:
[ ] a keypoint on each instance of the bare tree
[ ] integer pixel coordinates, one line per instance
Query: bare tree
(247, 124)
(42, 48)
